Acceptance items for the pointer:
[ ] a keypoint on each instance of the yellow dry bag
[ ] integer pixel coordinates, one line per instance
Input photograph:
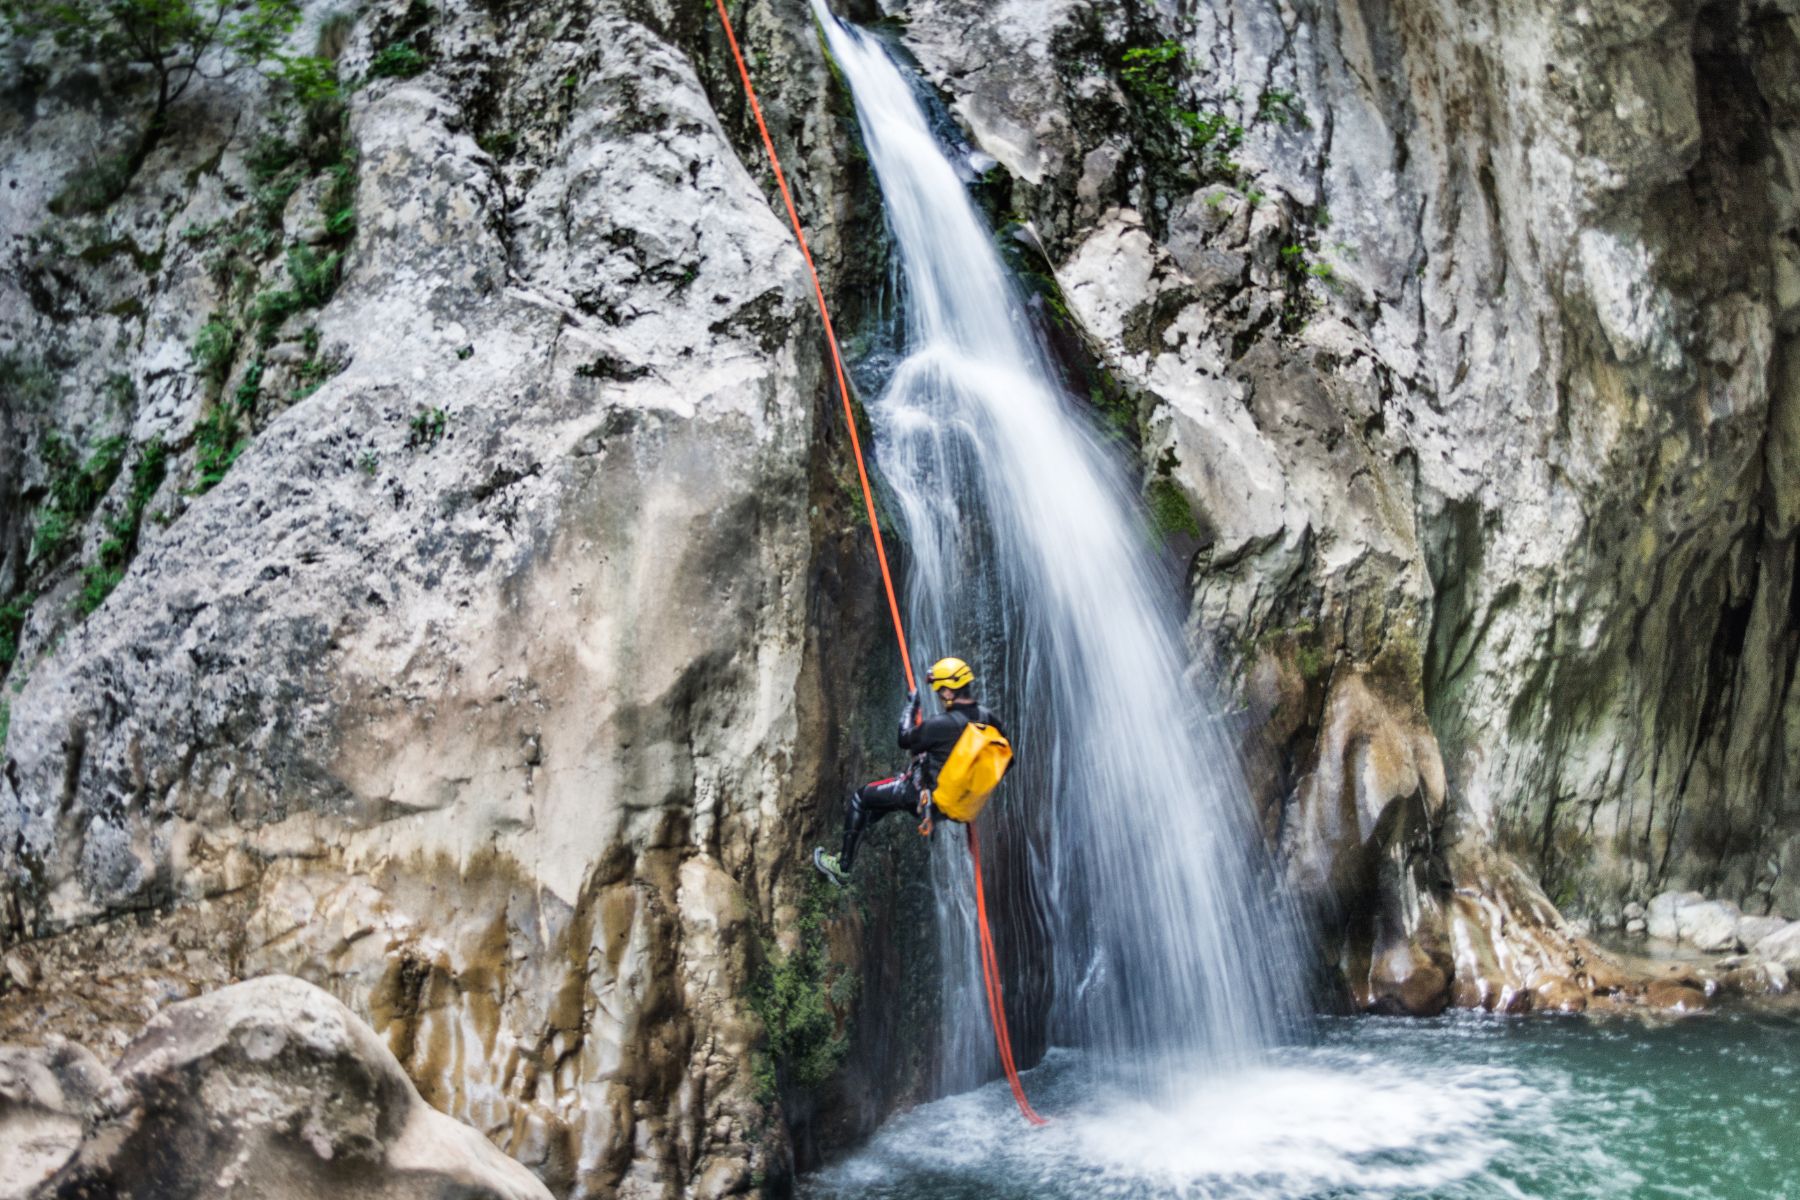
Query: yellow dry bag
(972, 772)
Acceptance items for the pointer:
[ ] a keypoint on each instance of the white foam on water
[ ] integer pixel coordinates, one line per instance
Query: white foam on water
(1315, 1124)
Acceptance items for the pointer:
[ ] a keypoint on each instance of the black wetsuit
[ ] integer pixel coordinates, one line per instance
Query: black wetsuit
(931, 742)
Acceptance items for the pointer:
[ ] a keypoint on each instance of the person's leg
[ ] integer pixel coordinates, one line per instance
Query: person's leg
(871, 802)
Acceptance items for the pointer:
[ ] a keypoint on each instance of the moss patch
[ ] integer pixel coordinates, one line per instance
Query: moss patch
(798, 997)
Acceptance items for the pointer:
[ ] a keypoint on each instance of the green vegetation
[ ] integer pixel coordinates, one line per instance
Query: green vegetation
(1310, 656)
(399, 60)
(1151, 75)
(279, 164)
(498, 144)
(28, 382)
(119, 389)
(12, 622)
(1115, 405)
(426, 428)
(95, 185)
(220, 438)
(1170, 511)
(1299, 267)
(310, 79)
(1282, 107)
(168, 40)
(795, 995)
(76, 486)
(101, 576)
(213, 347)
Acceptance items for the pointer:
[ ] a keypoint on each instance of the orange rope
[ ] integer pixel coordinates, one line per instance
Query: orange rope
(990, 975)
(990, 966)
(837, 361)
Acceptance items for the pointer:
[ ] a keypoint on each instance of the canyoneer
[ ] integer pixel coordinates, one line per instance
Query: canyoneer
(959, 757)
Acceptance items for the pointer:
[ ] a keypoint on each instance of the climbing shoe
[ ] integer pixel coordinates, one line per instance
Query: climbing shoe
(829, 868)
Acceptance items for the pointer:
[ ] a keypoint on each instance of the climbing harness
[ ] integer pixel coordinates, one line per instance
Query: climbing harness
(990, 968)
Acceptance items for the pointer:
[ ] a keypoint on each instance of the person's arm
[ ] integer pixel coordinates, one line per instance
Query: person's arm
(909, 721)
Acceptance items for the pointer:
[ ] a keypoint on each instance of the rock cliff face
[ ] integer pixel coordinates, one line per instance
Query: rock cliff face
(1463, 331)
(467, 662)
(426, 570)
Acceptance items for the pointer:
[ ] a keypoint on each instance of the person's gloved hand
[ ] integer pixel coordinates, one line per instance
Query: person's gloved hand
(909, 714)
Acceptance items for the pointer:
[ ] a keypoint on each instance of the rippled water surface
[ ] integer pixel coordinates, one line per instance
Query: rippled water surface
(1460, 1107)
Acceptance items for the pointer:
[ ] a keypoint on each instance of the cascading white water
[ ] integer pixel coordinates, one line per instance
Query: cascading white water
(1126, 816)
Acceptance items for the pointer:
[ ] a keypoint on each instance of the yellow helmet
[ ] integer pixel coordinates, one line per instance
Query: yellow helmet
(950, 673)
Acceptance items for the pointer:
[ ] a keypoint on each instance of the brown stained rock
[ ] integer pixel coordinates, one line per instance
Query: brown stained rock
(1752, 978)
(1558, 993)
(1605, 975)
(1676, 995)
(1420, 989)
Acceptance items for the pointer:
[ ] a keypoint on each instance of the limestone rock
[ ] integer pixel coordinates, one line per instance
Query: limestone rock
(271, 1088)
(1710, 926)
(1405, 361)
(1751, 930)
(1782, 946)
(1663, 911)
(46, 1094)
(504, 610)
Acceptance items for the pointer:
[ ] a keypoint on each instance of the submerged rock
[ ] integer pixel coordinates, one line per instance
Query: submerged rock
(268, 1089)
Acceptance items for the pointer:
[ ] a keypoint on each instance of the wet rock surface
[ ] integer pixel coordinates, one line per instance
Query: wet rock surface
(500, 682)
(1444, 402)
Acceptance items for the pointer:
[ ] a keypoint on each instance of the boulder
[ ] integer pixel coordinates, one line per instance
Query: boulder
(1748, 975)
(272, 1089)
(1710, 925)
(46, 1092)
(1660, 917)
(1752, 930)
(1557, 993)
(1676, 995)
(1782, 946)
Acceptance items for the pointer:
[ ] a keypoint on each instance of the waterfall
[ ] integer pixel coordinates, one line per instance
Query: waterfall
(1126, 822)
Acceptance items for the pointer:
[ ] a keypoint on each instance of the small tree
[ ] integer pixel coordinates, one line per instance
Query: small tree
(173, 41)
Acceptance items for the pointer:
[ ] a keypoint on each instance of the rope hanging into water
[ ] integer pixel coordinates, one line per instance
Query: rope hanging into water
(990, 966)
(990, 975)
